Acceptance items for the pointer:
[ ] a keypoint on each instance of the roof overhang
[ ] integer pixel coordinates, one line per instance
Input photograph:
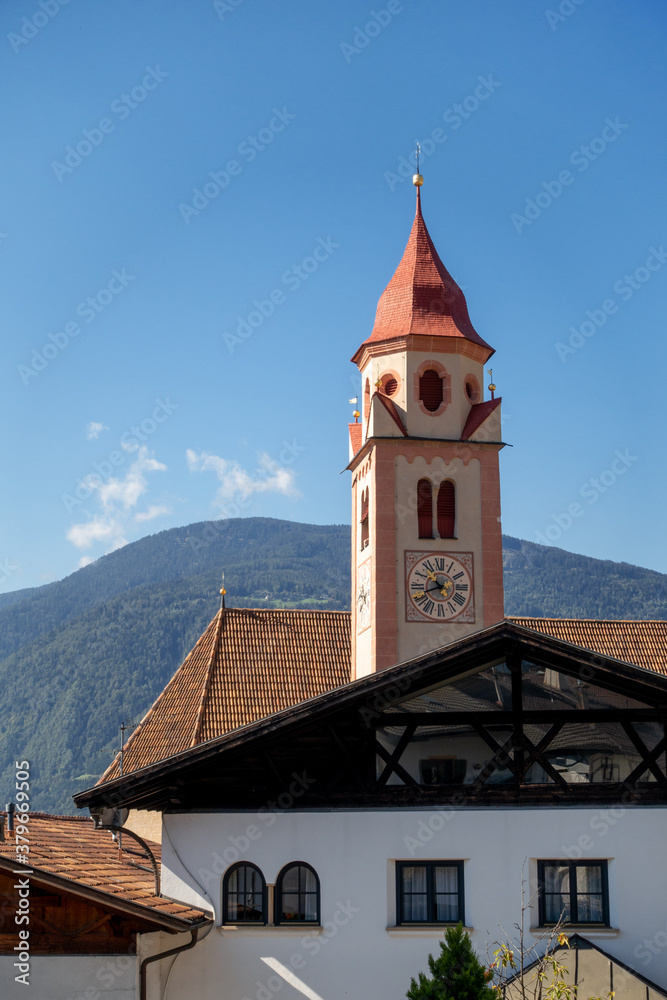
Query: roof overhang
(156, 786)
(159, 921)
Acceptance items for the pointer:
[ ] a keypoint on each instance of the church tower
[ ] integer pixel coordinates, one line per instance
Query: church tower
(426, 536)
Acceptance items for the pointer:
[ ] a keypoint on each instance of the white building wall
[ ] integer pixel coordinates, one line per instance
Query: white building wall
(72, 977)
(358, 952)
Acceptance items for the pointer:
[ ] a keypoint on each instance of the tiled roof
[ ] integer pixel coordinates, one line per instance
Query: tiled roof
(422, 297)
(246, 666)
(356, 438)
(641, 642)
(478, 414)
(250, 664)
(390, 407)
(71, 849)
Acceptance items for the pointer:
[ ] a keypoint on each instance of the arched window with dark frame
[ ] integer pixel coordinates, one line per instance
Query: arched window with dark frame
(425, 508)
(431, 391)
(297, 896)
(244, 895)
(447, 509)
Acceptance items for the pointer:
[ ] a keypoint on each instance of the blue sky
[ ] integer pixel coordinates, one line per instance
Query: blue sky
(168, 168)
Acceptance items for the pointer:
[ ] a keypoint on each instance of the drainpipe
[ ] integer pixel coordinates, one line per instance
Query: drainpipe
(166, 954)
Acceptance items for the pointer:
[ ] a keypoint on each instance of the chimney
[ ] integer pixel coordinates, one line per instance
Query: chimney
(10, 817)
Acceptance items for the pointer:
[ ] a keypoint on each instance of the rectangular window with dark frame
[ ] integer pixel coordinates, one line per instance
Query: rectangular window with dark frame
(576, 890)
(429, 893)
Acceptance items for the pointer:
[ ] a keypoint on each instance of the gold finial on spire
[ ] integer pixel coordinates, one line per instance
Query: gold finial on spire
(492, 387)
(417, 179)
(222, 592)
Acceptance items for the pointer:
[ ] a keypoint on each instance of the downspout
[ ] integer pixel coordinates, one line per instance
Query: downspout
(166, 954)
(151, 857)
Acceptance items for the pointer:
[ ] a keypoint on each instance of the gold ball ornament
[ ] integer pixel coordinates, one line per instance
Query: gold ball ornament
(417, 180)
(492, 387)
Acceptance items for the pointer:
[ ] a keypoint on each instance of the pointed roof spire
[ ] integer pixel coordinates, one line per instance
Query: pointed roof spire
(422, 298)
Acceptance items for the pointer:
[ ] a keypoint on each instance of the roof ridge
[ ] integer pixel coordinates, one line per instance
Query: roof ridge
(595, 621)
(207, 678)
(45, 815)
(151, 711)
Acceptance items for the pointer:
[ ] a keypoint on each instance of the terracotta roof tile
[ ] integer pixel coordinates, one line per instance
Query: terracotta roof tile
(478, 414)
(71, 848)
(251, 664)
(247, 665)
(422, 297)
(356, 438)
(641, 642)
(390, 407)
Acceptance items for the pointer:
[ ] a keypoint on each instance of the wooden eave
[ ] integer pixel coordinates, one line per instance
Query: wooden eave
(254, 750)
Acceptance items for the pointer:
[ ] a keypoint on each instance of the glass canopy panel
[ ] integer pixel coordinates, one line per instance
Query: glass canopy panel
(447, 755)
(589, 753)
(489, 690)
(544, 688)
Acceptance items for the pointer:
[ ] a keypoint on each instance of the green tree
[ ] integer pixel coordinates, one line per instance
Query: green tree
(456, 974)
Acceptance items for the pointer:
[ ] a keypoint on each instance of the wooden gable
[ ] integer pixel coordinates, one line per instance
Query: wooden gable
(546, 713)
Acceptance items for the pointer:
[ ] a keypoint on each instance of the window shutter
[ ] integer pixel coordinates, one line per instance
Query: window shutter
(424, 509)
(430, 390)
(446, 510)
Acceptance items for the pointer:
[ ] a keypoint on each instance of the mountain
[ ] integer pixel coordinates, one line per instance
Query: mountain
(82, 655)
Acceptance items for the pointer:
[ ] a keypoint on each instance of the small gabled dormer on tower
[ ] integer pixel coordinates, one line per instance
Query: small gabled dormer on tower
(426, 536)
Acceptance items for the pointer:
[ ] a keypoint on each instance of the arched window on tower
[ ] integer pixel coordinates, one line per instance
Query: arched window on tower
(430, 389)
(425, 508)
(367, 400)
(447, 509)
(364, 519)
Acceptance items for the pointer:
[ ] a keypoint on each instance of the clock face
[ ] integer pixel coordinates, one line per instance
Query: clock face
(363, 597)
(439, 587)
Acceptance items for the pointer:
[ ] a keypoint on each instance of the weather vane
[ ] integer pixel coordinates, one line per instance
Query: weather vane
(492, 387)
(417, 179)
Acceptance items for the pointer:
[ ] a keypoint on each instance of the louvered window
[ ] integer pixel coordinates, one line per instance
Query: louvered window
(390, 386)
(364, 519)
(446, 510)
(430, 389)
(425, 509)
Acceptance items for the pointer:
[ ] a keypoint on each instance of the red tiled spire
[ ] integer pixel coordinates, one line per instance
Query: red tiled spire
(422, 297)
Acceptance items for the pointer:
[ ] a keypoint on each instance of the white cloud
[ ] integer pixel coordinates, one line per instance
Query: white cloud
(117, 499)
(155, 510)
(98, 529)
(126, 492)
(94, 429)
(85, 561)
(235, 481)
